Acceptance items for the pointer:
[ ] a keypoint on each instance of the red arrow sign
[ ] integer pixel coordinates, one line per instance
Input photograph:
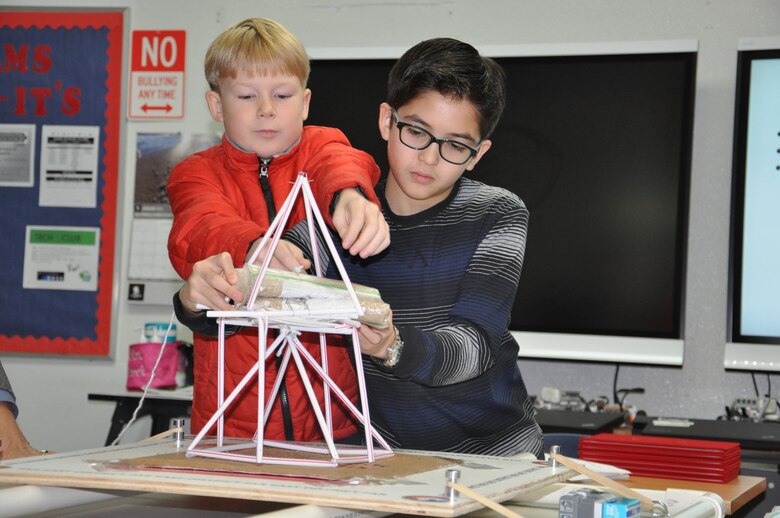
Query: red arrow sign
(147, 108)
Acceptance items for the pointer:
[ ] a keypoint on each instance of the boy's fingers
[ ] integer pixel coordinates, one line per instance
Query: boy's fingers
(361, 227)
(373, 340)
(231, 292)
(292, 262)
(216, 302)
(368, 339)
(355, 211)
(210, 294)
(289, 257)
(218, 287)
(373, 239)
(351, 229)
(381, 240)
(379, 243)
(225, 263)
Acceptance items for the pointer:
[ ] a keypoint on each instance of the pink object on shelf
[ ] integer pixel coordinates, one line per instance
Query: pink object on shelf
(141, 361)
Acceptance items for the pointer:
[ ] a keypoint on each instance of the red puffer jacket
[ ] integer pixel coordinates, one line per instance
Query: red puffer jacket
(218, 205)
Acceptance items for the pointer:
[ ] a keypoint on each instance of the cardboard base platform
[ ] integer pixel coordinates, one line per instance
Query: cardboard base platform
(409, 482)
(390, 468)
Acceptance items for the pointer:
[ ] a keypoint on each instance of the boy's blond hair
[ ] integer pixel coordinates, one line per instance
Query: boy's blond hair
(257, 46)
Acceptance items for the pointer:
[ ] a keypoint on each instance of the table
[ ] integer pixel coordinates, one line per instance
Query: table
(51, 502)
(98, 504)
(408, 482)
(161, 406)
(735, 493)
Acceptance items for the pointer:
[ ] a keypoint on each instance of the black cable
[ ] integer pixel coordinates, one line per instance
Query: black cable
(755, 385)
(768, 385)
(626, 392)
(614, 383)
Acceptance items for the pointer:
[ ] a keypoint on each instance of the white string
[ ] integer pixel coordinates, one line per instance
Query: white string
(148, 383)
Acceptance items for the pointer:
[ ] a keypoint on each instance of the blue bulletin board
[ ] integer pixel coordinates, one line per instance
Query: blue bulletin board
(58, 70)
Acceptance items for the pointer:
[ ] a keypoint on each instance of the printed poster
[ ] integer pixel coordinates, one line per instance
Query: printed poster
(69, 166)
(17, 155)
(61, 258)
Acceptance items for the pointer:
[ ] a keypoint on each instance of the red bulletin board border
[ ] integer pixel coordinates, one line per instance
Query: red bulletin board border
(114, 22)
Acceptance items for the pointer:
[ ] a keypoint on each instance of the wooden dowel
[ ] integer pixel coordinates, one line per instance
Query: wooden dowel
(164, 434)
(603, 480)
(500, 509)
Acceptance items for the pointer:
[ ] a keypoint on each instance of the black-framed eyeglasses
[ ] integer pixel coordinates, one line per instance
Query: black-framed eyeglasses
(415, 137)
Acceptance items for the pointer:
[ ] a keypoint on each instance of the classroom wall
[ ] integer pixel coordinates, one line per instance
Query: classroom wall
(52, 392)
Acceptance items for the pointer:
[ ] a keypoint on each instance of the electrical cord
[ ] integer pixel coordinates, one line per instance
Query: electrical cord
(767, 396)
(584, 402)
(614, 384)
(148, 383)
(626, 392)
(755, 385)
(768, 385)
(620, 401)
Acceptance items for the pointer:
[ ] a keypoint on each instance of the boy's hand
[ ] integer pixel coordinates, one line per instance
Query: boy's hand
(360, 224)
(212, 280)
(374, 341)
(287, 256)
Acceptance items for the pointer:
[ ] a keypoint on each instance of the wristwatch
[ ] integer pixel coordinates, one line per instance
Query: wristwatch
(394, 351)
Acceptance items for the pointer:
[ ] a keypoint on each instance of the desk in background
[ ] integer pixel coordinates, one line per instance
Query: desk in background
(750, 436)
(574, 421)
(161, 406)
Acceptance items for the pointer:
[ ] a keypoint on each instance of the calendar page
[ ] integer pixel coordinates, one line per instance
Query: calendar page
(149, 250)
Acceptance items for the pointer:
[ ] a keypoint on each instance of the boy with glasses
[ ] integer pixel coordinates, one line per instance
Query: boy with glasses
(444, 377)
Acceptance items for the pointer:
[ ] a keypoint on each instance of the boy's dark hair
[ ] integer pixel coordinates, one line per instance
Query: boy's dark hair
(454, 69)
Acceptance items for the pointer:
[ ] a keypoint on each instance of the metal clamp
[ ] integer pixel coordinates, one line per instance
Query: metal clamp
(554, 450)
(452, 475)
(659, 509)
(178, 435)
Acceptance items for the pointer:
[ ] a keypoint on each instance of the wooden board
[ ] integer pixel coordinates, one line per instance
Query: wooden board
(735, 493)
(421, 492)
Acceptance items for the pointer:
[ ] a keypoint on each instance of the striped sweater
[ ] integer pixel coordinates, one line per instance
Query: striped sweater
(450, 276)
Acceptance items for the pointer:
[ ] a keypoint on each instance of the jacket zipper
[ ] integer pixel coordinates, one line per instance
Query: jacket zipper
(265, 185)
(284, 401)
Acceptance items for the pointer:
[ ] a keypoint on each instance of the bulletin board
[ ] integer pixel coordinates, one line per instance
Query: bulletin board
(60, 90)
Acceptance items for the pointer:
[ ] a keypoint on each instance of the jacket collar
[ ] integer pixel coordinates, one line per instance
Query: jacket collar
(242, 159)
